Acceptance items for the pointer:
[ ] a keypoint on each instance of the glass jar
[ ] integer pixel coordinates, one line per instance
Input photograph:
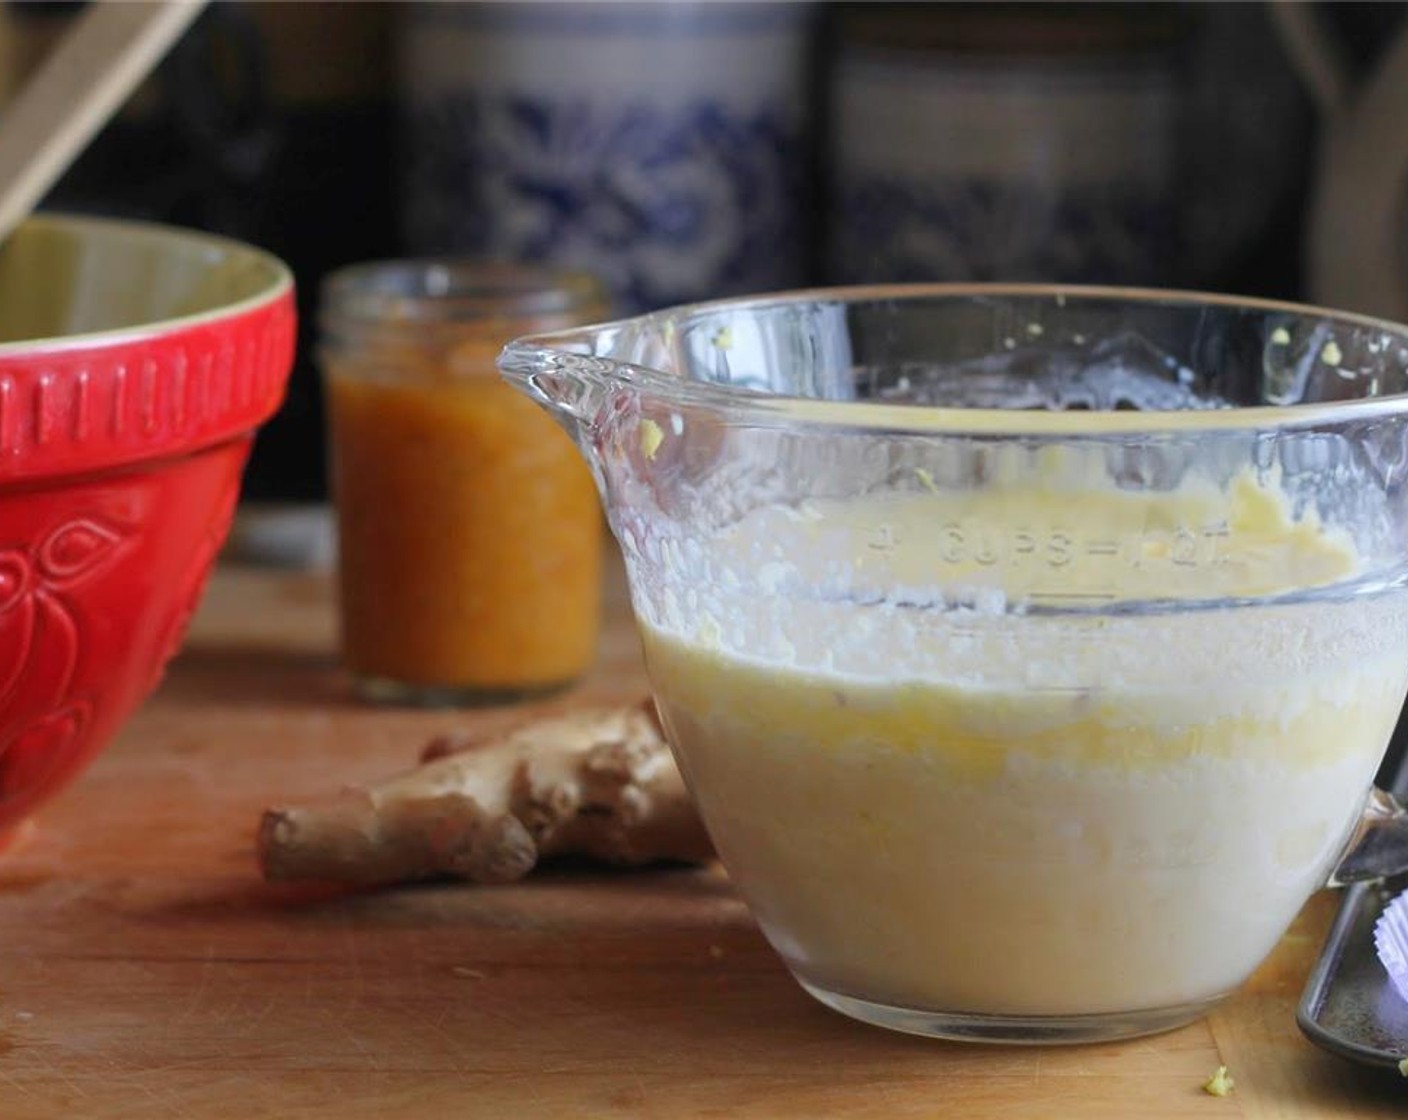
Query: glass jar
(470, 535)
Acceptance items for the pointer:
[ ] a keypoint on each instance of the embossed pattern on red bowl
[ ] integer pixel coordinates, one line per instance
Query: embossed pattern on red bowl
(121, 452)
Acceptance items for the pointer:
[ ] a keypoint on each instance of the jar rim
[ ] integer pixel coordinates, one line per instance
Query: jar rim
(454, 290)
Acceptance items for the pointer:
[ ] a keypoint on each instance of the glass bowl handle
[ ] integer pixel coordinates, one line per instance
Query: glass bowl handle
(1379, 846)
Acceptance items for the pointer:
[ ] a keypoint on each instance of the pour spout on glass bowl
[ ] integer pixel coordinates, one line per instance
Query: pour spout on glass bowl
(592, 380)
(563, 372)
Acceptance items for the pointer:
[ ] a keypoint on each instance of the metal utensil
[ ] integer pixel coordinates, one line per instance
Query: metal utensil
(1349, 1006)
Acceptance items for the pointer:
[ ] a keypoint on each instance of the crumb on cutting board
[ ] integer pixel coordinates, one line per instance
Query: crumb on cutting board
(1220, 1084)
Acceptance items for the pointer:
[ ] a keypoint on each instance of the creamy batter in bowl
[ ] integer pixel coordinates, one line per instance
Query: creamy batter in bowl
(1029, 652)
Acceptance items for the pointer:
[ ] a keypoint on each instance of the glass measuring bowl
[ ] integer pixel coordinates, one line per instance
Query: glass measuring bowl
(1029, 651)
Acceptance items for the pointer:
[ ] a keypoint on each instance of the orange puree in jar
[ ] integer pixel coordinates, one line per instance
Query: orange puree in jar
(470, 531)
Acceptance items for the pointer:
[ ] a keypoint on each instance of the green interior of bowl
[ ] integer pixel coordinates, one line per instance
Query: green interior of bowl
(62, 276)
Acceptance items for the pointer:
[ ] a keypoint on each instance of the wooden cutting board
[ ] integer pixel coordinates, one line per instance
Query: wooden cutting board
(146, 972)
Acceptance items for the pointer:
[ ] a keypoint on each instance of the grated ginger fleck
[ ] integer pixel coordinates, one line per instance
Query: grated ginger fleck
(651, 437)
(1220, 1084)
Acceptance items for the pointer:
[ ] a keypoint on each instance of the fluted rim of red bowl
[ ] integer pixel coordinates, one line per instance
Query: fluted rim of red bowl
(151, 389)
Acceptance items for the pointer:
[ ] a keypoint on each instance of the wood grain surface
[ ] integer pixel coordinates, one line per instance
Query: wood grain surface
(146, 972)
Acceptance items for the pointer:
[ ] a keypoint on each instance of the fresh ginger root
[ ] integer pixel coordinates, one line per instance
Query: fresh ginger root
(598, 783)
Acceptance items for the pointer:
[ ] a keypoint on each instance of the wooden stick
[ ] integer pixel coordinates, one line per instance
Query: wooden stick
(83, 82)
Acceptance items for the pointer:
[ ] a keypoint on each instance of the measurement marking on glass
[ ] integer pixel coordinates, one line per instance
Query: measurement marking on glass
(1102, 548)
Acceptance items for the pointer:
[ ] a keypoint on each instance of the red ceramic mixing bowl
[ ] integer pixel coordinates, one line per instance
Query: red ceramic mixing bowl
(136, 362)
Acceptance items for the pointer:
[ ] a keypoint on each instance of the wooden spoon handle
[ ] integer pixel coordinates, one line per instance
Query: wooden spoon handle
(86, 78)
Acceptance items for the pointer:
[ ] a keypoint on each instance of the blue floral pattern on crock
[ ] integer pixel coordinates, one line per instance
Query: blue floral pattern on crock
(666, 205)
(975, 229)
